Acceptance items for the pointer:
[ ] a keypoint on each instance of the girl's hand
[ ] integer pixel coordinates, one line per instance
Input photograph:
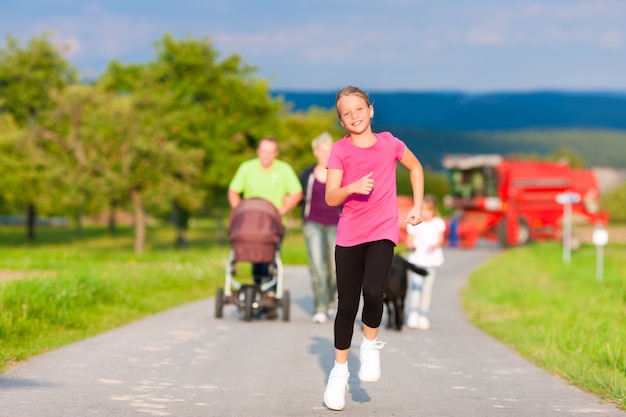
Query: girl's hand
(363, 185)
(415, 216)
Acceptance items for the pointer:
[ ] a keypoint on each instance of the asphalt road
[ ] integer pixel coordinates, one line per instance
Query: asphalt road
(185, 363)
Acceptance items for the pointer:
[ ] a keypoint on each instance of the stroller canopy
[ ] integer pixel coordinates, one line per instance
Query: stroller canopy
(255, 230)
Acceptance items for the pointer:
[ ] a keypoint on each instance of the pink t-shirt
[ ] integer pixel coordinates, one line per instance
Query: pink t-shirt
(367, 218)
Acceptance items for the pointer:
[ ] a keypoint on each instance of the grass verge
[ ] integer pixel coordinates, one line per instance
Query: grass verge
(66, 287)
(558, 316)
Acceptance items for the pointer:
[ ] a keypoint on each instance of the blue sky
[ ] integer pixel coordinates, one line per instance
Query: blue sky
(322, 45)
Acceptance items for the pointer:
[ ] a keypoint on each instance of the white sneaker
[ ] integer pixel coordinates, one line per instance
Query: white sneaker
(335, 393)
(370, 362)
(423, 323)
(320, 318)
(413, 320)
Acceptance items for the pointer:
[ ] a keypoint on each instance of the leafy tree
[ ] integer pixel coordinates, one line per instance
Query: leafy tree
(203, 103)
(26, 171)
(27, 78)
(29, 75)
(68, 128)
(299, 129)
(573, 158)
(614, 202)
(138, 162)
(10, 164)
(562, 154)
(435, 183)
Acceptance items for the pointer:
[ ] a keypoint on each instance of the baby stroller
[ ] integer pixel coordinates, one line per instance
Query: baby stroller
(255, 232)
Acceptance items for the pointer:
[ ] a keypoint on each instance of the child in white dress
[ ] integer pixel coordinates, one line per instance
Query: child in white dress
(425, 241)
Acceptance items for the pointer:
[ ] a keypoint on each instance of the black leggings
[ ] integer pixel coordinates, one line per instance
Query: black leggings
(363, 266)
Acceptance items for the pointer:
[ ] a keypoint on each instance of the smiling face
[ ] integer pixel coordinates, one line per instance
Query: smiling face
(354, 113)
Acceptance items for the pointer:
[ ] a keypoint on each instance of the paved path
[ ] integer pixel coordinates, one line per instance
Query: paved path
(186, 363)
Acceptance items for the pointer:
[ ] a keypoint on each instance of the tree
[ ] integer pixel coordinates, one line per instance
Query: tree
(200, 104)
(568, 155)
(562, 154)
(139, 162)
(27, 78)
(68, 128)
(11, 164)
(29, 75)
(216, 105)
(614, 203)
(300, 128)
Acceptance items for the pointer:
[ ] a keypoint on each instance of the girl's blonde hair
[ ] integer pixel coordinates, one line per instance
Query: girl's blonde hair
(352, 91)
(430, 201)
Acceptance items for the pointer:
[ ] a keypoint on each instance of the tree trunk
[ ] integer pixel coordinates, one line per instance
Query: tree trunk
(180, 218)
(140, 221)
(31, 215)
(112, 223)
(79, 221)
(220, 229)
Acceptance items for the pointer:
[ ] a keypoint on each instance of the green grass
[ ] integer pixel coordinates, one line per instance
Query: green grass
(558, 316)
(71, 286)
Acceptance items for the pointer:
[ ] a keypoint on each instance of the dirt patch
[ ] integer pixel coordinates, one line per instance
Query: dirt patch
(9, 275)
(617, 233)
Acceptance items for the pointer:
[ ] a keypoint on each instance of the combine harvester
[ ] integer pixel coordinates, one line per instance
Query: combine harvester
(514, 201)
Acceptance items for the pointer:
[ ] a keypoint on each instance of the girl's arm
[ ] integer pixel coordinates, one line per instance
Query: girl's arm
(416, 174)
(336, 194)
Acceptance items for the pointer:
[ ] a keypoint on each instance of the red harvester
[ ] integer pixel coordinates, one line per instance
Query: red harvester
(514, 201)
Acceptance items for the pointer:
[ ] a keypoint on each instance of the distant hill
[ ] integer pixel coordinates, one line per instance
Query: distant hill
(539, 123)
(596, 147)
(497, 111)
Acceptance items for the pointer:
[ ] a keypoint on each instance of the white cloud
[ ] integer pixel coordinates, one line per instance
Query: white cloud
(585, 22)
(72, 47)
(612, 38)
(485, 36)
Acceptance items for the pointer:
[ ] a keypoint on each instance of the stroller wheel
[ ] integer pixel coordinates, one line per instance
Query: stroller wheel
(219, 302)
(249, 295)
(284, 305)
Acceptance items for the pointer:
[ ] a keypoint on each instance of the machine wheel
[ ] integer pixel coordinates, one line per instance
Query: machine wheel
(219, 302)
(284, 305)
(249, 294)
(523, 233)
(501, 234)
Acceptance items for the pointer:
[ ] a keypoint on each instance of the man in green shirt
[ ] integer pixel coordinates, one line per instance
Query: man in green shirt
(269, 178)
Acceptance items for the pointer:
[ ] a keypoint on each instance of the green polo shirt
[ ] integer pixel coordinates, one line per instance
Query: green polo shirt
(253, 182)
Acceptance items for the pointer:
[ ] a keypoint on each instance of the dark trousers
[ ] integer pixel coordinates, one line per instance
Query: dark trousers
(360, 268)
(260, 271)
